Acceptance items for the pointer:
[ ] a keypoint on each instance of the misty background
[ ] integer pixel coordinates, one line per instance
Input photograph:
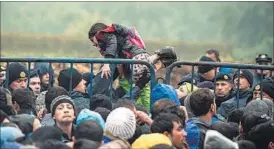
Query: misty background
(239, 30)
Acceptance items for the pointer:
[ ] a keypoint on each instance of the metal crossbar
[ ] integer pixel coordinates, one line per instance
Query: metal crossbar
(82, 60)
(214, 64)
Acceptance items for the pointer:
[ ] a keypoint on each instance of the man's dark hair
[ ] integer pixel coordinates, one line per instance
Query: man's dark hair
(177, 111)
(164, 122)
(245, 144)
(216, 52)
(200, 101)
(95, 28)
(104, 112)
(52, 93)
(124, 103)
(229, 130)
(100, 100)
(161, 146)
(52, 144)
(159, 105)
(46, 133)
(85, 144)
(90, 130)
(24, 97)
(235, 116)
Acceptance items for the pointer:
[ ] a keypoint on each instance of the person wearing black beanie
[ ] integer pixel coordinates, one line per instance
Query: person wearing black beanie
(246, 79)
(245, 93)
(17, 76)
(78, 88)
(205, 73)
(63, 112)
(268, 88)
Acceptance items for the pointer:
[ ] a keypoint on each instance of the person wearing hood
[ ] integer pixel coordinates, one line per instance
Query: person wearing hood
(161, 91)
(9, 136)
(205, 73)
(76, 89)
(224, 89)
(46, 74)
(203, 107)
(35, 82)
(245, 93)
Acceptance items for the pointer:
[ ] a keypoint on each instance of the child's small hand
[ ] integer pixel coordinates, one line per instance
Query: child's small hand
(105, 71)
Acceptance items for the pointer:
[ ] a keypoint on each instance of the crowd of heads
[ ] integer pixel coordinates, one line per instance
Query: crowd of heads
(223, 109)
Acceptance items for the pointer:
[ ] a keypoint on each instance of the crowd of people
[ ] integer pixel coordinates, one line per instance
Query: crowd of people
(229, 109)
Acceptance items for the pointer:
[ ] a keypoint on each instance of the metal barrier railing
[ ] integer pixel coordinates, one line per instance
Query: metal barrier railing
(91, 61)
(213, 64)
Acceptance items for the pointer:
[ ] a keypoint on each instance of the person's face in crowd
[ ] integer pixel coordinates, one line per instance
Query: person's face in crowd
(64, 113)
(158, 65)
(35, 85)
(256, 94)
(223, 88)
(210, 75)
(243, 85)
(264, 72)
(19, 83)
(81, 87)
(212, 56)
(45, 78)
(2, 76)
(178, 135)
(271, 145)
(94, 41)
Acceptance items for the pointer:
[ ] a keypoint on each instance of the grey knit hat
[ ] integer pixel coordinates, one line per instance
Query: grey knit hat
(257, 106)
(58, 100)
(121, 123)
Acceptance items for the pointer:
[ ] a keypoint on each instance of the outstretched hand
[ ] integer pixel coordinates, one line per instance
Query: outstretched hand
(105, 71)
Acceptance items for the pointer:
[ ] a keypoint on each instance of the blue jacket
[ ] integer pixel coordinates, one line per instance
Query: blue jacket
(196, 131)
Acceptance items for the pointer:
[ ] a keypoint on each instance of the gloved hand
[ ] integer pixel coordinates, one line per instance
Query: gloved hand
(144, 79)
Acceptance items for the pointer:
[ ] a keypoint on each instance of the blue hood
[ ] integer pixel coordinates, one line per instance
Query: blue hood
(43, 68)
(161, 91)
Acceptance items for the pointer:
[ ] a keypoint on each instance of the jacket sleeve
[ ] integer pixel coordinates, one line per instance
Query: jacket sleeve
(111, 45)
(121, 30)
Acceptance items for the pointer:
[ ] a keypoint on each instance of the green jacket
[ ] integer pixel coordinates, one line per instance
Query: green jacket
(144, 98)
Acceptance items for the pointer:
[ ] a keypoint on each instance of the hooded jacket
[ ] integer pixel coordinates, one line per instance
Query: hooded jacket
(116, 40)
(44, 68)
(215, 140)
(143, 99)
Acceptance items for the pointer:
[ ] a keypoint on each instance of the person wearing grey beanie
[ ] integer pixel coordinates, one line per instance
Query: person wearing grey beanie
(63, 112)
